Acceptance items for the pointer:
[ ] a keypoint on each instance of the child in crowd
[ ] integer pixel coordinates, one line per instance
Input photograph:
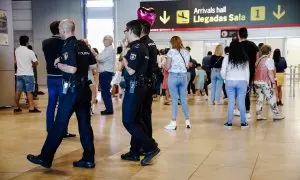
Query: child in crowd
(199, 81)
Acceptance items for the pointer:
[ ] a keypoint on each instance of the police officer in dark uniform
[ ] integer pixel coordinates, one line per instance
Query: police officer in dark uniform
(152, 72)
(151, 75)
(74, 64)
(135, 83)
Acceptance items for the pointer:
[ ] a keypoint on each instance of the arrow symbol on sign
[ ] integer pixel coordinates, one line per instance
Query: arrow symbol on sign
(279, 14)
(164, 19)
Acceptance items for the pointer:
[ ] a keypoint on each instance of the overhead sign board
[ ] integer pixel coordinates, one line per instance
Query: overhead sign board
(221, 14)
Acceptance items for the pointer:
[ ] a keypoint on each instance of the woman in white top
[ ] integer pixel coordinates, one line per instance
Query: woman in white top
(177, 62)
(235, 71)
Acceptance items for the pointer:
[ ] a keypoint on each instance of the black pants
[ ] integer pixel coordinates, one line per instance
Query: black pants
(132, 121)
(191, 85)
(247, 100)
(36, 86)
(208, 73)
(224, 90)
(78, 101)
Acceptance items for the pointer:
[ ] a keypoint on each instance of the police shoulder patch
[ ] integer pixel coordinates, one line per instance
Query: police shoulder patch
(66, 55)
(132, 56)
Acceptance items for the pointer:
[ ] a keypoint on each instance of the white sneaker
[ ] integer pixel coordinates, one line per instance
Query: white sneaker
(171, 126)
(260, 117)
(236, 112)
(278, 117)
(248, 116)
(187, 124)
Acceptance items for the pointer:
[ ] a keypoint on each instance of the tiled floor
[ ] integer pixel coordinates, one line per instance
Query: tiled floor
(266, 151)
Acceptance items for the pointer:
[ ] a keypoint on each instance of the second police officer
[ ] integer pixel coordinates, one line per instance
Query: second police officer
(135, 72)
(74, 64)
(152, 72)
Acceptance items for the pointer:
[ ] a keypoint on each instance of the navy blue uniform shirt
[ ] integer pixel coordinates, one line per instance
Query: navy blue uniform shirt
(77, 54)
(153, 65)
(137, 57)
(69, 56)
(52, 49)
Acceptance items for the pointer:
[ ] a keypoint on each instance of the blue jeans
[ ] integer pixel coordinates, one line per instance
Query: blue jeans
(104, 82)
(236, 89)
(177, 84)
(216, 86)
(54, 91)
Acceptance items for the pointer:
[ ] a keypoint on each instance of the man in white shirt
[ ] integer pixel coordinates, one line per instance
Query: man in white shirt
(26, 60)
(106, 69)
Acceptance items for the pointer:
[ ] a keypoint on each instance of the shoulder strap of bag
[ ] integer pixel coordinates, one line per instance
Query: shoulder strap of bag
(217, 61)
(182, 59)
(259, 60)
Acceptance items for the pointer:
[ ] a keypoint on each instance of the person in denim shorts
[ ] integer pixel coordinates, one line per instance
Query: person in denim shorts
(26, 60)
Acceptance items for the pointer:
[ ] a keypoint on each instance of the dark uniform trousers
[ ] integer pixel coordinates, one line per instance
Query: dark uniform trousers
(147, 112)
(77, 101)
(131, 109)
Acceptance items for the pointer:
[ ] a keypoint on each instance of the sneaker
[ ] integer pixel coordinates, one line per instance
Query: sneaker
(171, 126)
(17, 110)
(227, 125)
(278, 117)
(35, 110)
(260, 117)
(236, 112)
(187, 124)
(244, 125)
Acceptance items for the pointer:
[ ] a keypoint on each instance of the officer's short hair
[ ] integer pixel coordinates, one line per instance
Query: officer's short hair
(146, 26)
(24, 40)
(54, 27)
(67, 25)
(243, 32)
(135, 26)
(209, 53)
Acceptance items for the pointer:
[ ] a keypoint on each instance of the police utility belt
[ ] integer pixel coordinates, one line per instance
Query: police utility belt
(133, 82)
(71, 85)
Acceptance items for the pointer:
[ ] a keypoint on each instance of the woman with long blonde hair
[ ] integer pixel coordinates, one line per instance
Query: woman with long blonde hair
(216, 79)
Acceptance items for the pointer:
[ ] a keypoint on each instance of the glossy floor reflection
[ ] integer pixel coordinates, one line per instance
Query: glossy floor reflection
(268, 150)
